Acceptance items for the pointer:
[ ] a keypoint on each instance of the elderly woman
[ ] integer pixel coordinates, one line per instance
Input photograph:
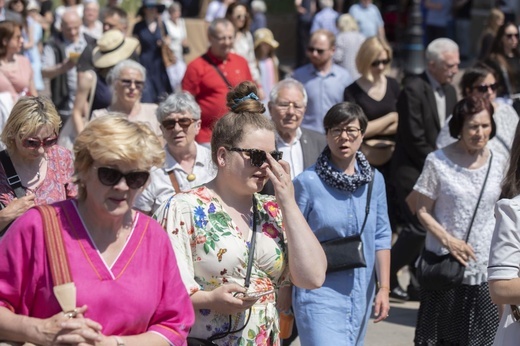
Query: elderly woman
(457, 191)
(44, 169)
(127, 80)
(223, 228)
(334, 195)
(187, 164)
(107, 245)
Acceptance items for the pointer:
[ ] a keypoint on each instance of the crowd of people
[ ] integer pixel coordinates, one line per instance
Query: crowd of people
(152, 200)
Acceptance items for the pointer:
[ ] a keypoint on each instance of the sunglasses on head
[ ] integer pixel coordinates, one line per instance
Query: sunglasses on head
(512, 35)
(111, 176)
(127, 83)
(385, 62)
(169, 124)
(485, 87)
(257, 156)
(36, 143)
(312, 50)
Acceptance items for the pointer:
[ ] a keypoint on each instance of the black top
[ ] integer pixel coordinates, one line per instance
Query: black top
(374, 109)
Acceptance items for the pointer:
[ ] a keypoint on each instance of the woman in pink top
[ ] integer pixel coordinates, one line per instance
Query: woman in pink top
(128, 287)
(16, 74)
(45, 169)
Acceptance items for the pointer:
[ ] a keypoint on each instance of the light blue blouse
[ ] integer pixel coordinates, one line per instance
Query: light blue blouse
(338, 312)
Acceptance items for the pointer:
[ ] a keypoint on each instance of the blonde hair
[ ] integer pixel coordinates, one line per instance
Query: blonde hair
(114, 138)
(28, 115)
(493, 20)
(368, 53)
(347, 23)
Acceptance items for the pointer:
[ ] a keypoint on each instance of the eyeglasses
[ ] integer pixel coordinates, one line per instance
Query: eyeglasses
(352, 131)
(257, 156)
(240, 16)
(376, 63)
(169, 124)
(127, 83)
(36, 143)
(284, 106)
(485, 87)
(111, 176)
(311, 50)
(510, 36)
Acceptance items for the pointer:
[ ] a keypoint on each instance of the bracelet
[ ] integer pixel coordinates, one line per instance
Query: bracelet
(383, 287)
(119, 341)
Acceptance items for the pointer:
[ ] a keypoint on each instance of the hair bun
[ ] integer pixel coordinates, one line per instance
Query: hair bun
(243, 98)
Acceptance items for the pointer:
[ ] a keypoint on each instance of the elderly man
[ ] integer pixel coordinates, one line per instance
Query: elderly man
(210, 76)
(423, 105)
(187, 164)
(324, 81)
(59, 62)
(92, 26)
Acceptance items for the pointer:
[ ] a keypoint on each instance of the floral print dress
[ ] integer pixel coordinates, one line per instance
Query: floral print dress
(211, 251)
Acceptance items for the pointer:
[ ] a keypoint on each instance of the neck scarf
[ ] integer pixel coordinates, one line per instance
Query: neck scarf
(339, 180)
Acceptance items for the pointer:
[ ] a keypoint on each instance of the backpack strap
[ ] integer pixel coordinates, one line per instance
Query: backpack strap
(12, 177)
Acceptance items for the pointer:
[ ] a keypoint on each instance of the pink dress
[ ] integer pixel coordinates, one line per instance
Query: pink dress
(17, 78)
(57, 184)
(141, 292)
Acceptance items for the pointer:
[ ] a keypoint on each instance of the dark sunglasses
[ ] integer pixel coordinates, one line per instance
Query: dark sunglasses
(378, 62)
(169, 124)
(512, 35)
(35, 143)
(485, 87)
(312, 50)
(111, 176)
(127, 83)
(257, 156)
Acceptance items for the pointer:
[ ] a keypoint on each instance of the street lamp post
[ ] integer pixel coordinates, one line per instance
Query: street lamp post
(414, 47)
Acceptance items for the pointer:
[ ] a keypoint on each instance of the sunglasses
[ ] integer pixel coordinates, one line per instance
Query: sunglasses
(385, 62)
(240, 16)
(169, 124)
(311, 50)
(127, 83)
(510, 36)
(36, 143)
(111, 176)
(257, 156)
(485, 87)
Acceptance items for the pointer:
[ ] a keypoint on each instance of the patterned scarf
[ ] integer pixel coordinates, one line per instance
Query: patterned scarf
(339, 180)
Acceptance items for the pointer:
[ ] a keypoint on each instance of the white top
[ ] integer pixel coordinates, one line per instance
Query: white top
(94, 32)
(160, 187)
(245, 47)
(504, 262)
(177, 33)
(455, 190)
(216, 9)
(292, 153)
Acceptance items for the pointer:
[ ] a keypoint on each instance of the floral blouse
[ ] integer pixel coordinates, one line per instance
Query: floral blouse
(211, 251)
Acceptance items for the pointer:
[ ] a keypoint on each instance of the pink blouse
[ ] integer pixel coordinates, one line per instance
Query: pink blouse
(17, 77)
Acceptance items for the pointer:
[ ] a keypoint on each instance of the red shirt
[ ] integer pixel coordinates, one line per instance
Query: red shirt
(210, 90)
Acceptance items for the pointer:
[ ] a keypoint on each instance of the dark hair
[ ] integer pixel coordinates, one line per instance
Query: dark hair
(24, 11)
(6, 33)
(474, 75)
(465, 109)
(498, 46)
(345, 112)
(245, 114)
(511, 183)
(115, 10)
(229, 16)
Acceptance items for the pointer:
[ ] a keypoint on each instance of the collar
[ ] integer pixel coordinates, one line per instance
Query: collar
(171, 164)
(433, 81)
(216, 60)
(279, 139)
(332, 72)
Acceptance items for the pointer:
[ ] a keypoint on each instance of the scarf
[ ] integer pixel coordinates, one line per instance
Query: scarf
(339, 180)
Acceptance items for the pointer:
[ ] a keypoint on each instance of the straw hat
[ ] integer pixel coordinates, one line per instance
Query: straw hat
(112, 48)
(265, 35)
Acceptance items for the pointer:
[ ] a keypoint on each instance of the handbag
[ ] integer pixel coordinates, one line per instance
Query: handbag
(347, 252)
(444, 272)
(192, 341)
(378, 152)
(168, 57)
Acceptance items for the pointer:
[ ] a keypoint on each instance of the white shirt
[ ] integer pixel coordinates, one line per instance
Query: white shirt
(160, 187)
(440, 99)
(292, 153)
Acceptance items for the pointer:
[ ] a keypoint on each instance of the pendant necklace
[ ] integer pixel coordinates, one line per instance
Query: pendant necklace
(191, 177)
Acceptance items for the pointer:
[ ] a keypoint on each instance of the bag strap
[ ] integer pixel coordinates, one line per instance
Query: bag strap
(480, 196)
(92, 93)
(174, 181)
(64, 288)
(12, 177)
(208, 60)
(369, 197)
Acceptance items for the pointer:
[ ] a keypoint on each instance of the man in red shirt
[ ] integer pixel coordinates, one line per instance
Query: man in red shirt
(210, 76)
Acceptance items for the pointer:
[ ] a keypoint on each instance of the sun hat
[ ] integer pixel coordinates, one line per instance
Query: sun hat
(265, 35)
(152, 3)
(112, 48)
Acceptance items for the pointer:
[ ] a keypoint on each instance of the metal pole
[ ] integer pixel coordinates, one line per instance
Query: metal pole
(414, 47)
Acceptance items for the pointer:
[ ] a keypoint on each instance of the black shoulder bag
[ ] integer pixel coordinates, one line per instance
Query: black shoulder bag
(208, 60)
(347, 252)
(12, 179)
(435, 272)
(208, 342)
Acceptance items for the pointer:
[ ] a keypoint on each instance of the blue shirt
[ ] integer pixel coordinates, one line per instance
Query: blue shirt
(369, 19)
(338, 312)
(325, 19)
(323, 91)
(439, 17)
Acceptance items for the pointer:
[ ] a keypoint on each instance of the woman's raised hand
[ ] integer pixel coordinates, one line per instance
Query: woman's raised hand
(279, 173)
(223, 299)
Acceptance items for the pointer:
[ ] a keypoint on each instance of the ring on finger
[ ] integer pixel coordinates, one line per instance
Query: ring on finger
(71, 314)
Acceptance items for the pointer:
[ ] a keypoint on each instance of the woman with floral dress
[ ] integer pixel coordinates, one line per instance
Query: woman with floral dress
(212, 227)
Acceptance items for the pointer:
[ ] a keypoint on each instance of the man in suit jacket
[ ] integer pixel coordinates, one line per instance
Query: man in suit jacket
(424, 103)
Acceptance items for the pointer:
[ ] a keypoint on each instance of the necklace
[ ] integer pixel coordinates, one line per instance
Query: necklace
(191, 177)
(38, 176)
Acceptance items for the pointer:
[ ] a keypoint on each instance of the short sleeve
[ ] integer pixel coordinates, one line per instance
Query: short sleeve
(428, 182)
(48, 58)
(504, 254)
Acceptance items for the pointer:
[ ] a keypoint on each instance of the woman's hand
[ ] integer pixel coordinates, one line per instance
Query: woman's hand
(223, 299)
(459, 249)
(280, 175)
(381, 305)
(15, 209)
